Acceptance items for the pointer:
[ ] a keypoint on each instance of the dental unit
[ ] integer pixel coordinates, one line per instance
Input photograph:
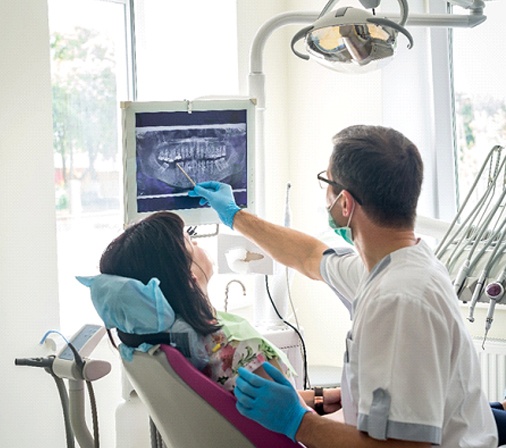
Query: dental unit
(473, 248)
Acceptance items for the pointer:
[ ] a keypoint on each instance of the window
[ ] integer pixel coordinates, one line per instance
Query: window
(179, 55)
(185, 49)
(89, 77)
(480, 93)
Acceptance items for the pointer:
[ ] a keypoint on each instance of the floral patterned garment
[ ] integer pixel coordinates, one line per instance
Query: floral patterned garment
(227, 354)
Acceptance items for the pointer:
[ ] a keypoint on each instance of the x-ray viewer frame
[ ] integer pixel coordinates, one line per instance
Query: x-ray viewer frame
(208, 139)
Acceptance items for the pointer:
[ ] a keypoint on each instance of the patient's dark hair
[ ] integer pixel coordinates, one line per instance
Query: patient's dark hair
(155, 247)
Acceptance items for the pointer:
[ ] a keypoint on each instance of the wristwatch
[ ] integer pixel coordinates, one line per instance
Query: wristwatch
(318, 400)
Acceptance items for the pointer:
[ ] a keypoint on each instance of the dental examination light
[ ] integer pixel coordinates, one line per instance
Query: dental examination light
(353, 40)
(474, 247)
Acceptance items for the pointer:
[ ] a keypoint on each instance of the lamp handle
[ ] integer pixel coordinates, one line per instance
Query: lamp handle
(298, 36)
(396, 26)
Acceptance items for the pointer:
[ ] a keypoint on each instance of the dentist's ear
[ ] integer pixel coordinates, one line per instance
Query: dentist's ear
(347, 204)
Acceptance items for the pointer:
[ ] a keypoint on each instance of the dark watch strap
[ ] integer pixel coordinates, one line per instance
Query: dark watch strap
(318, 400)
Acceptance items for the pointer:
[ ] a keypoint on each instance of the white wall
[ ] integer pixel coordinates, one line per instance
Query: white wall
(323, 102)
(29, 412)
(314, 105)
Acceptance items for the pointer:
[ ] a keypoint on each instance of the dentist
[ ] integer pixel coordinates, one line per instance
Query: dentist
(411, 376)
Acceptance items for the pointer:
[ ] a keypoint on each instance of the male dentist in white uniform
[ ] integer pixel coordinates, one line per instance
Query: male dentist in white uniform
(411, 376)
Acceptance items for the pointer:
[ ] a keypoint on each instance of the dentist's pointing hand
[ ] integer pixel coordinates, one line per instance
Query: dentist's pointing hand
(220, 197)
(274, 404)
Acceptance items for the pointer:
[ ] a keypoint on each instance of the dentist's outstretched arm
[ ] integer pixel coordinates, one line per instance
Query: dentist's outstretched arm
(290, 247)
(274, 404)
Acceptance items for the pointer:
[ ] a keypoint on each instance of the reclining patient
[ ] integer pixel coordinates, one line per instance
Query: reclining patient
(154, 284)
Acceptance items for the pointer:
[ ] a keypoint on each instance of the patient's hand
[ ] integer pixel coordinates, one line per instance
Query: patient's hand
(332, 400)
(260, 371)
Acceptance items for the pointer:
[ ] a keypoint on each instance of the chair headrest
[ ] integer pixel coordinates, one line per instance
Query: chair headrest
(129, 305)
(138, 312)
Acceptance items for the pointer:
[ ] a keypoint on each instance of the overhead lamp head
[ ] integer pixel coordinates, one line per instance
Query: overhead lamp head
(352, 40)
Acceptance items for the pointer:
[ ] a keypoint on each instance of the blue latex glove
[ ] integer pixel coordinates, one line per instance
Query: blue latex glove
(220, 197)
(274, 404)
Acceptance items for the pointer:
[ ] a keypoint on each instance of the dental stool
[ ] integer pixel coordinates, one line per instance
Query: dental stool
(190, 410)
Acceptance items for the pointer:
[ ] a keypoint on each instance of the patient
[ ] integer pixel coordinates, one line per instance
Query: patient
(154, 280)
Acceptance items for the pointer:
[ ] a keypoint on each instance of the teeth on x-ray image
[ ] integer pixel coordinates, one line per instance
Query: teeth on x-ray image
(204, 152)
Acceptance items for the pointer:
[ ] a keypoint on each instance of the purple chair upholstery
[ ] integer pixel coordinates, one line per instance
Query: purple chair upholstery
(190, 410)
(224, 402)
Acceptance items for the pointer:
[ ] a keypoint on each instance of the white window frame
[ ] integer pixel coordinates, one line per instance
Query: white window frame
(418, 83)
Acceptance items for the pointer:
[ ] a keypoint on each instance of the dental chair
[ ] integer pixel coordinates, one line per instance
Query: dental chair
(190, 410)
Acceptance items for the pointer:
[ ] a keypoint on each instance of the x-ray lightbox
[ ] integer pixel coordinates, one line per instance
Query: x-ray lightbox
(169, 145)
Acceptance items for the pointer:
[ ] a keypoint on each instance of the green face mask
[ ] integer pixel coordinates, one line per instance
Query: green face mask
(344, 232)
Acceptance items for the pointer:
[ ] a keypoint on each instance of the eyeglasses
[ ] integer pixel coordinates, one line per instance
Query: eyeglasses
(191, 231)
(324, 182)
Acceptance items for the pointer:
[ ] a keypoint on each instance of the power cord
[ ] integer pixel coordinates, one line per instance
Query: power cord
(94, 413)
(64, 398)
(306, 380)
(91, 393)
(46, 364)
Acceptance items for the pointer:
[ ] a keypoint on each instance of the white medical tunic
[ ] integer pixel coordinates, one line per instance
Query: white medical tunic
(411, 371)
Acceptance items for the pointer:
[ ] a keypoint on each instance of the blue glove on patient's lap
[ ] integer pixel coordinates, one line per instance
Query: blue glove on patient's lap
(220, 197)
(274, 404)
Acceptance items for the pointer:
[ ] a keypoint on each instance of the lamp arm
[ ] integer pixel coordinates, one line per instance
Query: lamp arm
(265, 31)
(446, 20)
(403, 5)
(396, 26)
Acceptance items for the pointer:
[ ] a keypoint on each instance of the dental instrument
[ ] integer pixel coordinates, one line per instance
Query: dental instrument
(484, 234)
(495, 292)
(483, 226)
(288, 211)
(474, 247)
(496, 253)
(186, 174)
(469, 227)
(446, 240)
